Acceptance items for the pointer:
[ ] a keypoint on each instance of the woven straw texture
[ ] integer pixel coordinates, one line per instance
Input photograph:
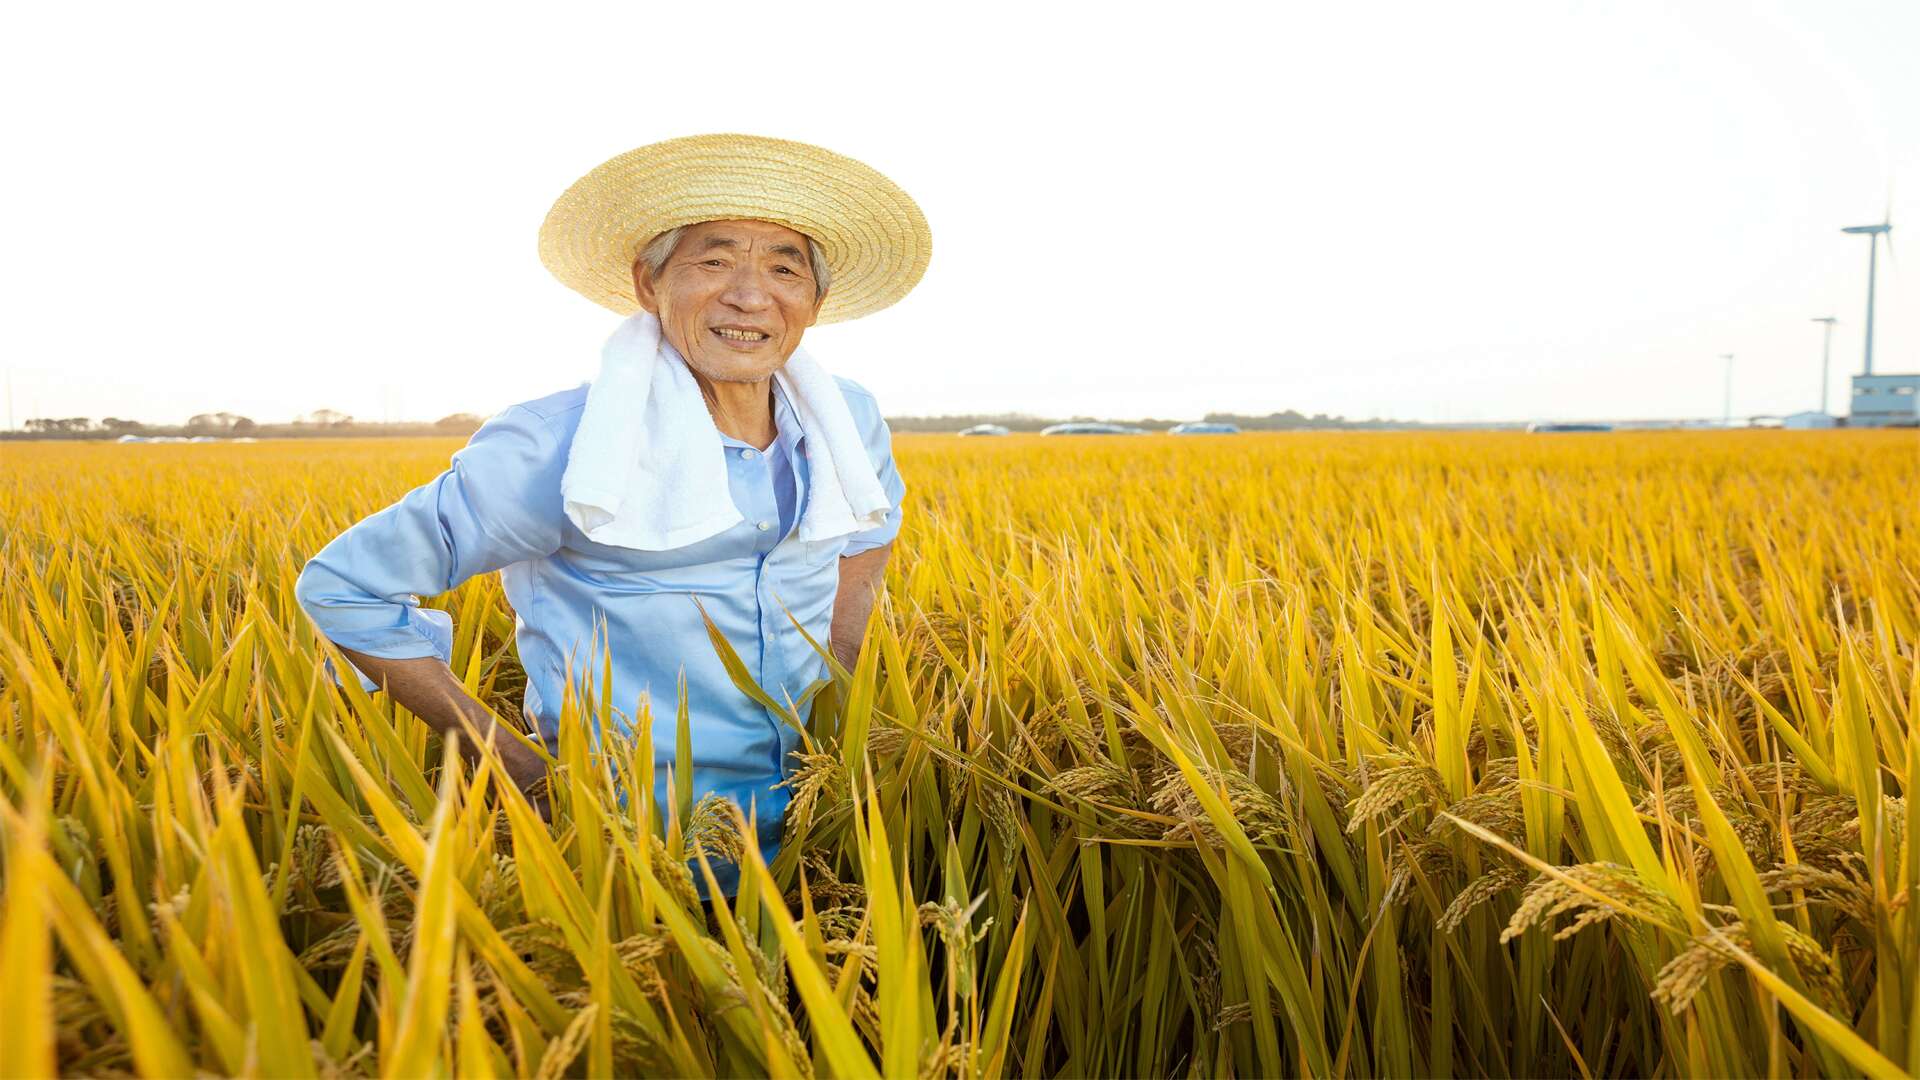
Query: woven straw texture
(875, 238)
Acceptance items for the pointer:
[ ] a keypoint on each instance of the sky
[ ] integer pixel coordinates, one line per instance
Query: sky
(1437, 212)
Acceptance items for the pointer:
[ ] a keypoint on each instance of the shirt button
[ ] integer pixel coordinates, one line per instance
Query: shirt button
(762, 525)
(749, 454)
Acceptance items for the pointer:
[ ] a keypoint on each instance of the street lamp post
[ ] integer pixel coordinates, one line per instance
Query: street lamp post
(1826, 357)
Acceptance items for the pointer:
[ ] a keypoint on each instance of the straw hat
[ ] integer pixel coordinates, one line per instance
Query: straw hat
(875, 238)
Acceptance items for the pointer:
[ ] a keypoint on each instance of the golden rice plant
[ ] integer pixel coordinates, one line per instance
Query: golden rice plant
(1329, 755)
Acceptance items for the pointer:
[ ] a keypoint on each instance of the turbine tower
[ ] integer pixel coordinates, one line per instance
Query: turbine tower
(1826, 357)
(1726, 419)
(1873, 234)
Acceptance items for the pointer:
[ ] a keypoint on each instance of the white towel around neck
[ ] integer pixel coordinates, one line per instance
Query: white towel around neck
(647, 469)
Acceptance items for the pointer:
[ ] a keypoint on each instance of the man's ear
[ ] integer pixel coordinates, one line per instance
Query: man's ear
(817, 305)
(643, 289)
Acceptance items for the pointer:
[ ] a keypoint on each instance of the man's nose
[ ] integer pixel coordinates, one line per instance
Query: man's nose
(745, 291)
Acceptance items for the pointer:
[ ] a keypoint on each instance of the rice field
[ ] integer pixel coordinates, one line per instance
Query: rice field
(1329, 755)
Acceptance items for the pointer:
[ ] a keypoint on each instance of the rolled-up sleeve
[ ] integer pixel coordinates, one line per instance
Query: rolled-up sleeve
(497, 503)
(879, 441)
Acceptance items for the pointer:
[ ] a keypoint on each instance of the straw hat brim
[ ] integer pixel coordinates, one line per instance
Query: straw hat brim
(873, 234)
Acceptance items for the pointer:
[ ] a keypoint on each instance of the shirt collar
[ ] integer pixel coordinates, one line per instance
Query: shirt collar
(785, 420)
(788, 434)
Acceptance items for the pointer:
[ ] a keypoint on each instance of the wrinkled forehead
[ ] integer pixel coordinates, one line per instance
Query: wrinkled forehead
(743, 233)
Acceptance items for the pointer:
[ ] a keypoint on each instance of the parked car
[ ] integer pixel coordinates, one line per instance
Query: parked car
(1093, 427)
(1204, 427)
(986, 429)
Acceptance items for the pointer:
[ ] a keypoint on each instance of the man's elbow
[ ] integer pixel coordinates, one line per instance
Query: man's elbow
(866, 564)
(315, 590)
(873, 554)
(306, 587)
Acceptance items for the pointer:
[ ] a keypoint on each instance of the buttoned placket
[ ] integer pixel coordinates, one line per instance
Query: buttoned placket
(754, 469)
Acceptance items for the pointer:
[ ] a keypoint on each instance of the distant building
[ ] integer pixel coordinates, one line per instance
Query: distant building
(1812, 418)
(1204, 427)
(1885, 400)
(987, 429)
(1559, 428)
(1083, 427)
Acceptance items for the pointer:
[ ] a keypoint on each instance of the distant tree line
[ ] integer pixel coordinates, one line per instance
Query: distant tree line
(1279, 421)
(1010, 421)
(322, 423)
(330, 423)
(1290, 420)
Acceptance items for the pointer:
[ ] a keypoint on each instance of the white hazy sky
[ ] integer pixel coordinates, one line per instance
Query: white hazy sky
(1426, 211)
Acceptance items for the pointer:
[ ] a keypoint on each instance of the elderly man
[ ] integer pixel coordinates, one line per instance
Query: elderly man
(712, 464)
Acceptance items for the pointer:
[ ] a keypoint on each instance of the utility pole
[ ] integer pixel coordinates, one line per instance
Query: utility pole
(1873, 233)
(1826, 357)
(1727, 402)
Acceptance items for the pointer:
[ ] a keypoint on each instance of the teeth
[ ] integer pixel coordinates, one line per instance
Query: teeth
(740, 335)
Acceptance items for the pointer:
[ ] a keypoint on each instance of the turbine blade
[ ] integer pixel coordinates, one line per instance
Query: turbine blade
(1886, 221)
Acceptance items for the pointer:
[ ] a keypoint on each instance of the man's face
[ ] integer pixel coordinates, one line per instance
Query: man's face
(733, 298)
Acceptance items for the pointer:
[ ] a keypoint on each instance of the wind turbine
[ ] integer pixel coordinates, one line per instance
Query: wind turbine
(1873, 234)
(1826, 357)
(1727, 417)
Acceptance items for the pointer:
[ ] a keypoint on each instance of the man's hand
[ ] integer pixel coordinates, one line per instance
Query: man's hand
(428, 690)
(861, 578)
(526, 769)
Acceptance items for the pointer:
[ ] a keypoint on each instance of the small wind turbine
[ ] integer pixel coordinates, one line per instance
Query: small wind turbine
(1873, 234)
(1826, 357)
(1727, 403)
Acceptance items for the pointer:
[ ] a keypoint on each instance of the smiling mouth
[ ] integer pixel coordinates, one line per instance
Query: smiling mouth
(730, 334)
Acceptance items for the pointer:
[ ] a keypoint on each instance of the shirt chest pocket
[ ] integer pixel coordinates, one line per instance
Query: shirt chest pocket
(822, 552)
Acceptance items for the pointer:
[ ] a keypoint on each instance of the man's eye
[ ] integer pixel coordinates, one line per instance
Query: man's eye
(713, 262)
(787, 270)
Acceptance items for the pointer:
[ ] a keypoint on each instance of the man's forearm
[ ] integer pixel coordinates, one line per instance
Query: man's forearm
(861, 578)
(427, 688)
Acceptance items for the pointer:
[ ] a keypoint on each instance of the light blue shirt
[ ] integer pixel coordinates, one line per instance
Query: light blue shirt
(498, 507)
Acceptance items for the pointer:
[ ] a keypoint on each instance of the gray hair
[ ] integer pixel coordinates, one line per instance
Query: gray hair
(658, 249)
